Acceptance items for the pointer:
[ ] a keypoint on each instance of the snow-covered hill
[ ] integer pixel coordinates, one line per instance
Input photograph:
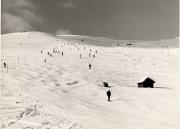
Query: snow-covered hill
(60, 91)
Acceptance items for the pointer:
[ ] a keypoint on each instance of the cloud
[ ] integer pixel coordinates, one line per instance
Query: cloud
(19, 15)
(67, 4)
(15, 5)
(12, 23)
(62, 31)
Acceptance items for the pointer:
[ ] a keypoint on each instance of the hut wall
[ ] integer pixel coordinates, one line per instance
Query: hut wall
(140, 84)
(148, 83)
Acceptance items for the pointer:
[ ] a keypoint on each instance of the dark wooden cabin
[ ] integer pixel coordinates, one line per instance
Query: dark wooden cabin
(146, 82)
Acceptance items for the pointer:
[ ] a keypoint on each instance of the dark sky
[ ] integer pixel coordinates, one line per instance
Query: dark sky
(118, 19)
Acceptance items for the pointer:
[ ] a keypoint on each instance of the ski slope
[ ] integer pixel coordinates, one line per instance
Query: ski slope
(64, 94)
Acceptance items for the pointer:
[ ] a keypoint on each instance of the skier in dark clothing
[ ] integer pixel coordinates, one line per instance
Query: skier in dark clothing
(109, 95)
(90, 66)
(4, 65)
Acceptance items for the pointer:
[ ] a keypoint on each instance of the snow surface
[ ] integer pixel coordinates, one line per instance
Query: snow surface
(64, 93)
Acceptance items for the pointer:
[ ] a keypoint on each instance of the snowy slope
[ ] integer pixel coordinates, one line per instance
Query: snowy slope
(63, 93)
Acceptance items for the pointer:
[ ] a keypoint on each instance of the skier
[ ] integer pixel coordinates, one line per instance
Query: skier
(4, 65)
(89, 66)
(108, 94)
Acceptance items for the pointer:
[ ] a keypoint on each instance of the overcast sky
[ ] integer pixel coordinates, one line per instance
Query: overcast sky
(118, 19)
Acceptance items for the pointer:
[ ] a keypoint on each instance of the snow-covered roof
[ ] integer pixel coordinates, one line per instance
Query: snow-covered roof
(144, 78)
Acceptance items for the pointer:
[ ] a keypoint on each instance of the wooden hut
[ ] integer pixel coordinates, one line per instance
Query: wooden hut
(146, 82)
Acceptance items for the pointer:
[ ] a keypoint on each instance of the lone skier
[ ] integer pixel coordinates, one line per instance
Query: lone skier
(90, 66)
(4, 65)
(109, 95)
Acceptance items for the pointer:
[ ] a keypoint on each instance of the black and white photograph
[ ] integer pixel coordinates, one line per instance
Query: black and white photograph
(90, 64)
